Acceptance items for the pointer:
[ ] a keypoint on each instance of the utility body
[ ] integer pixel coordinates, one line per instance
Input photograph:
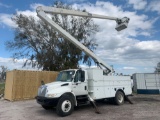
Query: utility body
(74, 87)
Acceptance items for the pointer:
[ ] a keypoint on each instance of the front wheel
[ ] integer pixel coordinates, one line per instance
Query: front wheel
(119, 98)
(65, 106)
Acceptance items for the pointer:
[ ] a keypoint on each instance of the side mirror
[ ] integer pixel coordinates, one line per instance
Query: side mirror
(42, 82)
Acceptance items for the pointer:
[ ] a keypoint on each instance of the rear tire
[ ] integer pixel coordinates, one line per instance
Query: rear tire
(65, 106)
(119, 98)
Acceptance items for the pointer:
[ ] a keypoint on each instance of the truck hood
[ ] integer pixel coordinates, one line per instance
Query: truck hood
(54, 85)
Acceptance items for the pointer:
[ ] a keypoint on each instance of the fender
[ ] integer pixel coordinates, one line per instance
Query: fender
(121, 91)
(72, 95)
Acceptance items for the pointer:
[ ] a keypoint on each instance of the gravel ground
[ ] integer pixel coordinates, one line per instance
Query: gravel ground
(145, 107)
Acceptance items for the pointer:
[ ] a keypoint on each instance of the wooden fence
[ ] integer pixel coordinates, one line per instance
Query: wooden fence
(21, 84)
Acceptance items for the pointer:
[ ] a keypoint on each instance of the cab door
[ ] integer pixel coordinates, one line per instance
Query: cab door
(79, 84)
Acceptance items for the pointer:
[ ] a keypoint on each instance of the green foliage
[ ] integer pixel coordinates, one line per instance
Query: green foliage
(2, 86)
(45, 48)
(3, 71)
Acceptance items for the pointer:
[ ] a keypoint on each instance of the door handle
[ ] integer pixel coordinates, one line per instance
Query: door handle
(85, 87)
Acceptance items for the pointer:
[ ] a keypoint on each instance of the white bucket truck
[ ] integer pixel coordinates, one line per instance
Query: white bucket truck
(76, 86)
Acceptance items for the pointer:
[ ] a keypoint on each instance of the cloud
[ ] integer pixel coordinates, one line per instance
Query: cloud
(73, 1)
(5, 19)
(86, 66)
(129, 68)
(154, 6)
(31, 11)
(4, 5)
(124, 48)
(10, 64)
(138, 4)
(28, 13)
(120, 48)
(35, 5)
(138, 25)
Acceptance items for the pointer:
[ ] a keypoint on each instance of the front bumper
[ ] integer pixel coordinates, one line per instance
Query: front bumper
(47, 101)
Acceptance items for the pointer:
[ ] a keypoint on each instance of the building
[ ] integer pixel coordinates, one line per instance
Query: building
(146, 83)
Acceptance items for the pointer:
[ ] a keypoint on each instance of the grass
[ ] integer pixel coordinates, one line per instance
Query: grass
(2, 85)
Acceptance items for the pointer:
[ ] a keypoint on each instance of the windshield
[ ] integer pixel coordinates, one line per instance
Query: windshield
(65, 76)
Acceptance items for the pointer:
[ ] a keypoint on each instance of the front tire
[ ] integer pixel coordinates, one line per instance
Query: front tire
(119, 98)
(65, 106)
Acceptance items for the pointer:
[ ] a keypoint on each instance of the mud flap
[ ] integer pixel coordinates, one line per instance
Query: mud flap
(92, 102)
(126, 97)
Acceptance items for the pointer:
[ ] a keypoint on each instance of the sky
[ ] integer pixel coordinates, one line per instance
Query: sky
(133, 50)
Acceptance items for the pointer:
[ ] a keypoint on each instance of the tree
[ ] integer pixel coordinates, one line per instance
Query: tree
(3, 71)
(44, 48)
(157, 69)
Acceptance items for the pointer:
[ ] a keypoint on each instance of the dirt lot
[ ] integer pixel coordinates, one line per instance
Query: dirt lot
(145, 107)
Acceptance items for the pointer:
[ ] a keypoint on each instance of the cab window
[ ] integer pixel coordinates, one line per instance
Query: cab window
(80, 76)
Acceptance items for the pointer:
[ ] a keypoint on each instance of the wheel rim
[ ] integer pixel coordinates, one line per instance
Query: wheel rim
(120, 98)
(66, 106)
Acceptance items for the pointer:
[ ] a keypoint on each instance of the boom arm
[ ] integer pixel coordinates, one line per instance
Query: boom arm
(42, 10)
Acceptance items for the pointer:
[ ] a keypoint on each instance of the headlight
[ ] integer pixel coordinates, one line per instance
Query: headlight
(51, 95)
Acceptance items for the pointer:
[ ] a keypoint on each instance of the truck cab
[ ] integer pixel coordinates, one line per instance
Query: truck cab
(72, 80)
(70, 83)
